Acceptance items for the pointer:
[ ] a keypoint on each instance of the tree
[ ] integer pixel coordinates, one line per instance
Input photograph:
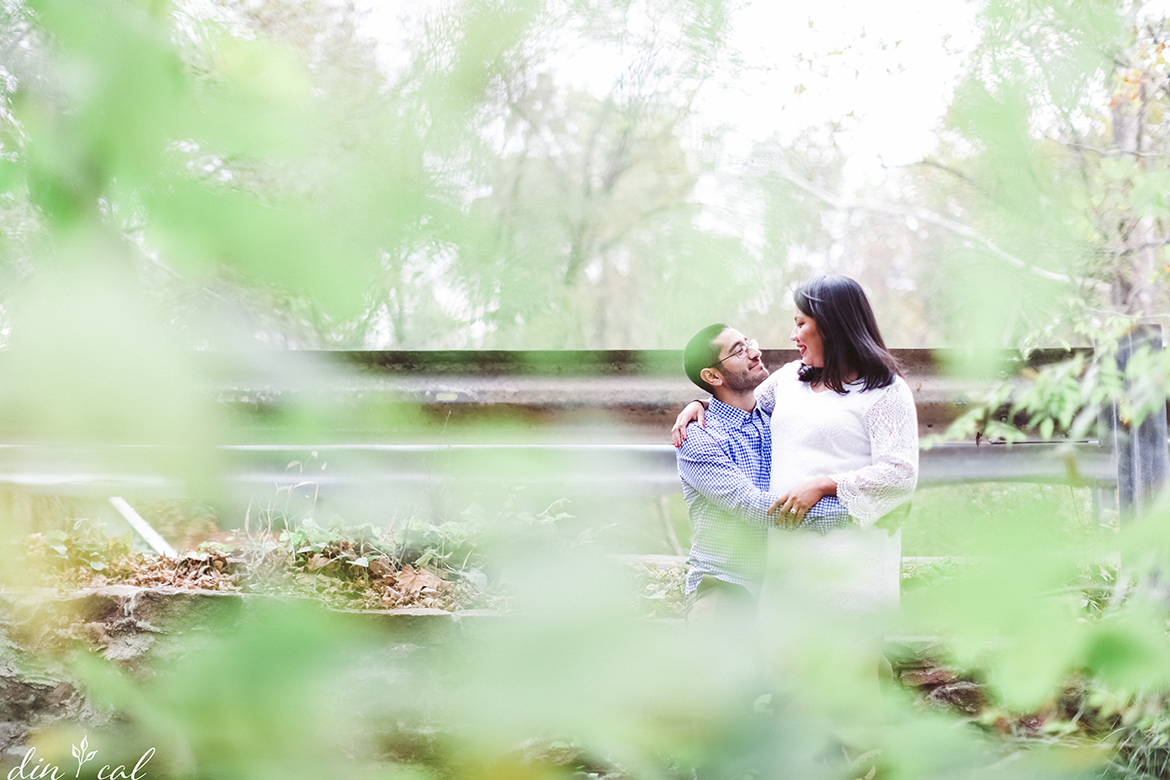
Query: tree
(585, 204)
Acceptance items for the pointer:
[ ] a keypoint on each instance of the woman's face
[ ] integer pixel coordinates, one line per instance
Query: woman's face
(808, 340)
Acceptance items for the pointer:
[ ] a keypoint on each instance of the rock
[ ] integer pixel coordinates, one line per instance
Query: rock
(137, 628)
(925, 678)
(1031, 725)
(967, 698)
(12, 738)
(28, 699)
(95, 635)
(175, 610)
(125, 621)
(31, 698)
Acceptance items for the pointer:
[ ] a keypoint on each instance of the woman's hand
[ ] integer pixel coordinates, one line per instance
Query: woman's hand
(791, 507)
(692, 412)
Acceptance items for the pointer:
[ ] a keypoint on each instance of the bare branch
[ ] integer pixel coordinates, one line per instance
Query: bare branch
(1111, 152)
(958, 228)
(927, 162)
(1125, 250)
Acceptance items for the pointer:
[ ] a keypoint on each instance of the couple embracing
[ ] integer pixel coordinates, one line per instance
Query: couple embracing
(825, 445)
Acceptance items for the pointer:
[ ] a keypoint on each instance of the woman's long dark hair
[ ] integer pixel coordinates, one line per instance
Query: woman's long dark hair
(852, 343)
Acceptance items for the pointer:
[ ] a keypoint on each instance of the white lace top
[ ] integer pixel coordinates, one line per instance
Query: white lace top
(865, 440)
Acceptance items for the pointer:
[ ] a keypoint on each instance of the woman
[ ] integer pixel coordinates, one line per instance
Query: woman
(844, 427)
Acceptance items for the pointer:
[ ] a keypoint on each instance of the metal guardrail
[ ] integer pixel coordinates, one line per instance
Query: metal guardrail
(632, 467)
(580, 422)
(586, 420)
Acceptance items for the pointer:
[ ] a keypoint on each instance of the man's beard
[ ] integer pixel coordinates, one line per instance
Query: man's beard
(742, 380)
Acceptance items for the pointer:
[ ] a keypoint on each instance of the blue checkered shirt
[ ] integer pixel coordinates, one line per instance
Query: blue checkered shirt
(725, 469)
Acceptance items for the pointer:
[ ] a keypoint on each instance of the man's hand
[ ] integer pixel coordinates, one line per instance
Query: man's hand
(789, 510)
(692, 412)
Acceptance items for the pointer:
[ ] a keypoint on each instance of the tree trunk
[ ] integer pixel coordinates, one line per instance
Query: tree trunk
(1133, 289)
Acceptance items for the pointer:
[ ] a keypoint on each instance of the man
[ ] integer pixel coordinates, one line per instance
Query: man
(725, 468)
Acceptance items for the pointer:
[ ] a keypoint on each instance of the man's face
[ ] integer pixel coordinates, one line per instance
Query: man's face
(742, 371)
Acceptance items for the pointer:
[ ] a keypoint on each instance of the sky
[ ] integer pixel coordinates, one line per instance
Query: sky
(884, 70)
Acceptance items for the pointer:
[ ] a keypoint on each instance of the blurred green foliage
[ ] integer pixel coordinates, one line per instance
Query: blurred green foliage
(573, 681)
(264, 154)
(176, 175)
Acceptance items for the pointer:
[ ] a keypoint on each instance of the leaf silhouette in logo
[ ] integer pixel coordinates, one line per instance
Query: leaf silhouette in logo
(81, 755)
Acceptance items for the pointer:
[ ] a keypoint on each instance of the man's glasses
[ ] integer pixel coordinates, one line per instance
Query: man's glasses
(739, 351)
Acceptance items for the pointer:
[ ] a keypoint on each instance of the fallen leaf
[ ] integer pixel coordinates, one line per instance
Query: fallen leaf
(413, 580)
(380, 567)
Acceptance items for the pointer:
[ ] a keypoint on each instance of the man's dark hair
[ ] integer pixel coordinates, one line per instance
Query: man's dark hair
(849, 333)
(702, 352)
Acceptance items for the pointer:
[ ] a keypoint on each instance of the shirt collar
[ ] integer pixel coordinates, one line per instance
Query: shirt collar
(731, 415)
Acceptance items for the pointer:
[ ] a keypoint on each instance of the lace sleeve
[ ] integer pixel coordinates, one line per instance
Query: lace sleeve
(766, 393)
(872, 491)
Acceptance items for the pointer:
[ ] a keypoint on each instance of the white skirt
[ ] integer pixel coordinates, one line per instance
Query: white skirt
(849, 571)
(826, 604)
